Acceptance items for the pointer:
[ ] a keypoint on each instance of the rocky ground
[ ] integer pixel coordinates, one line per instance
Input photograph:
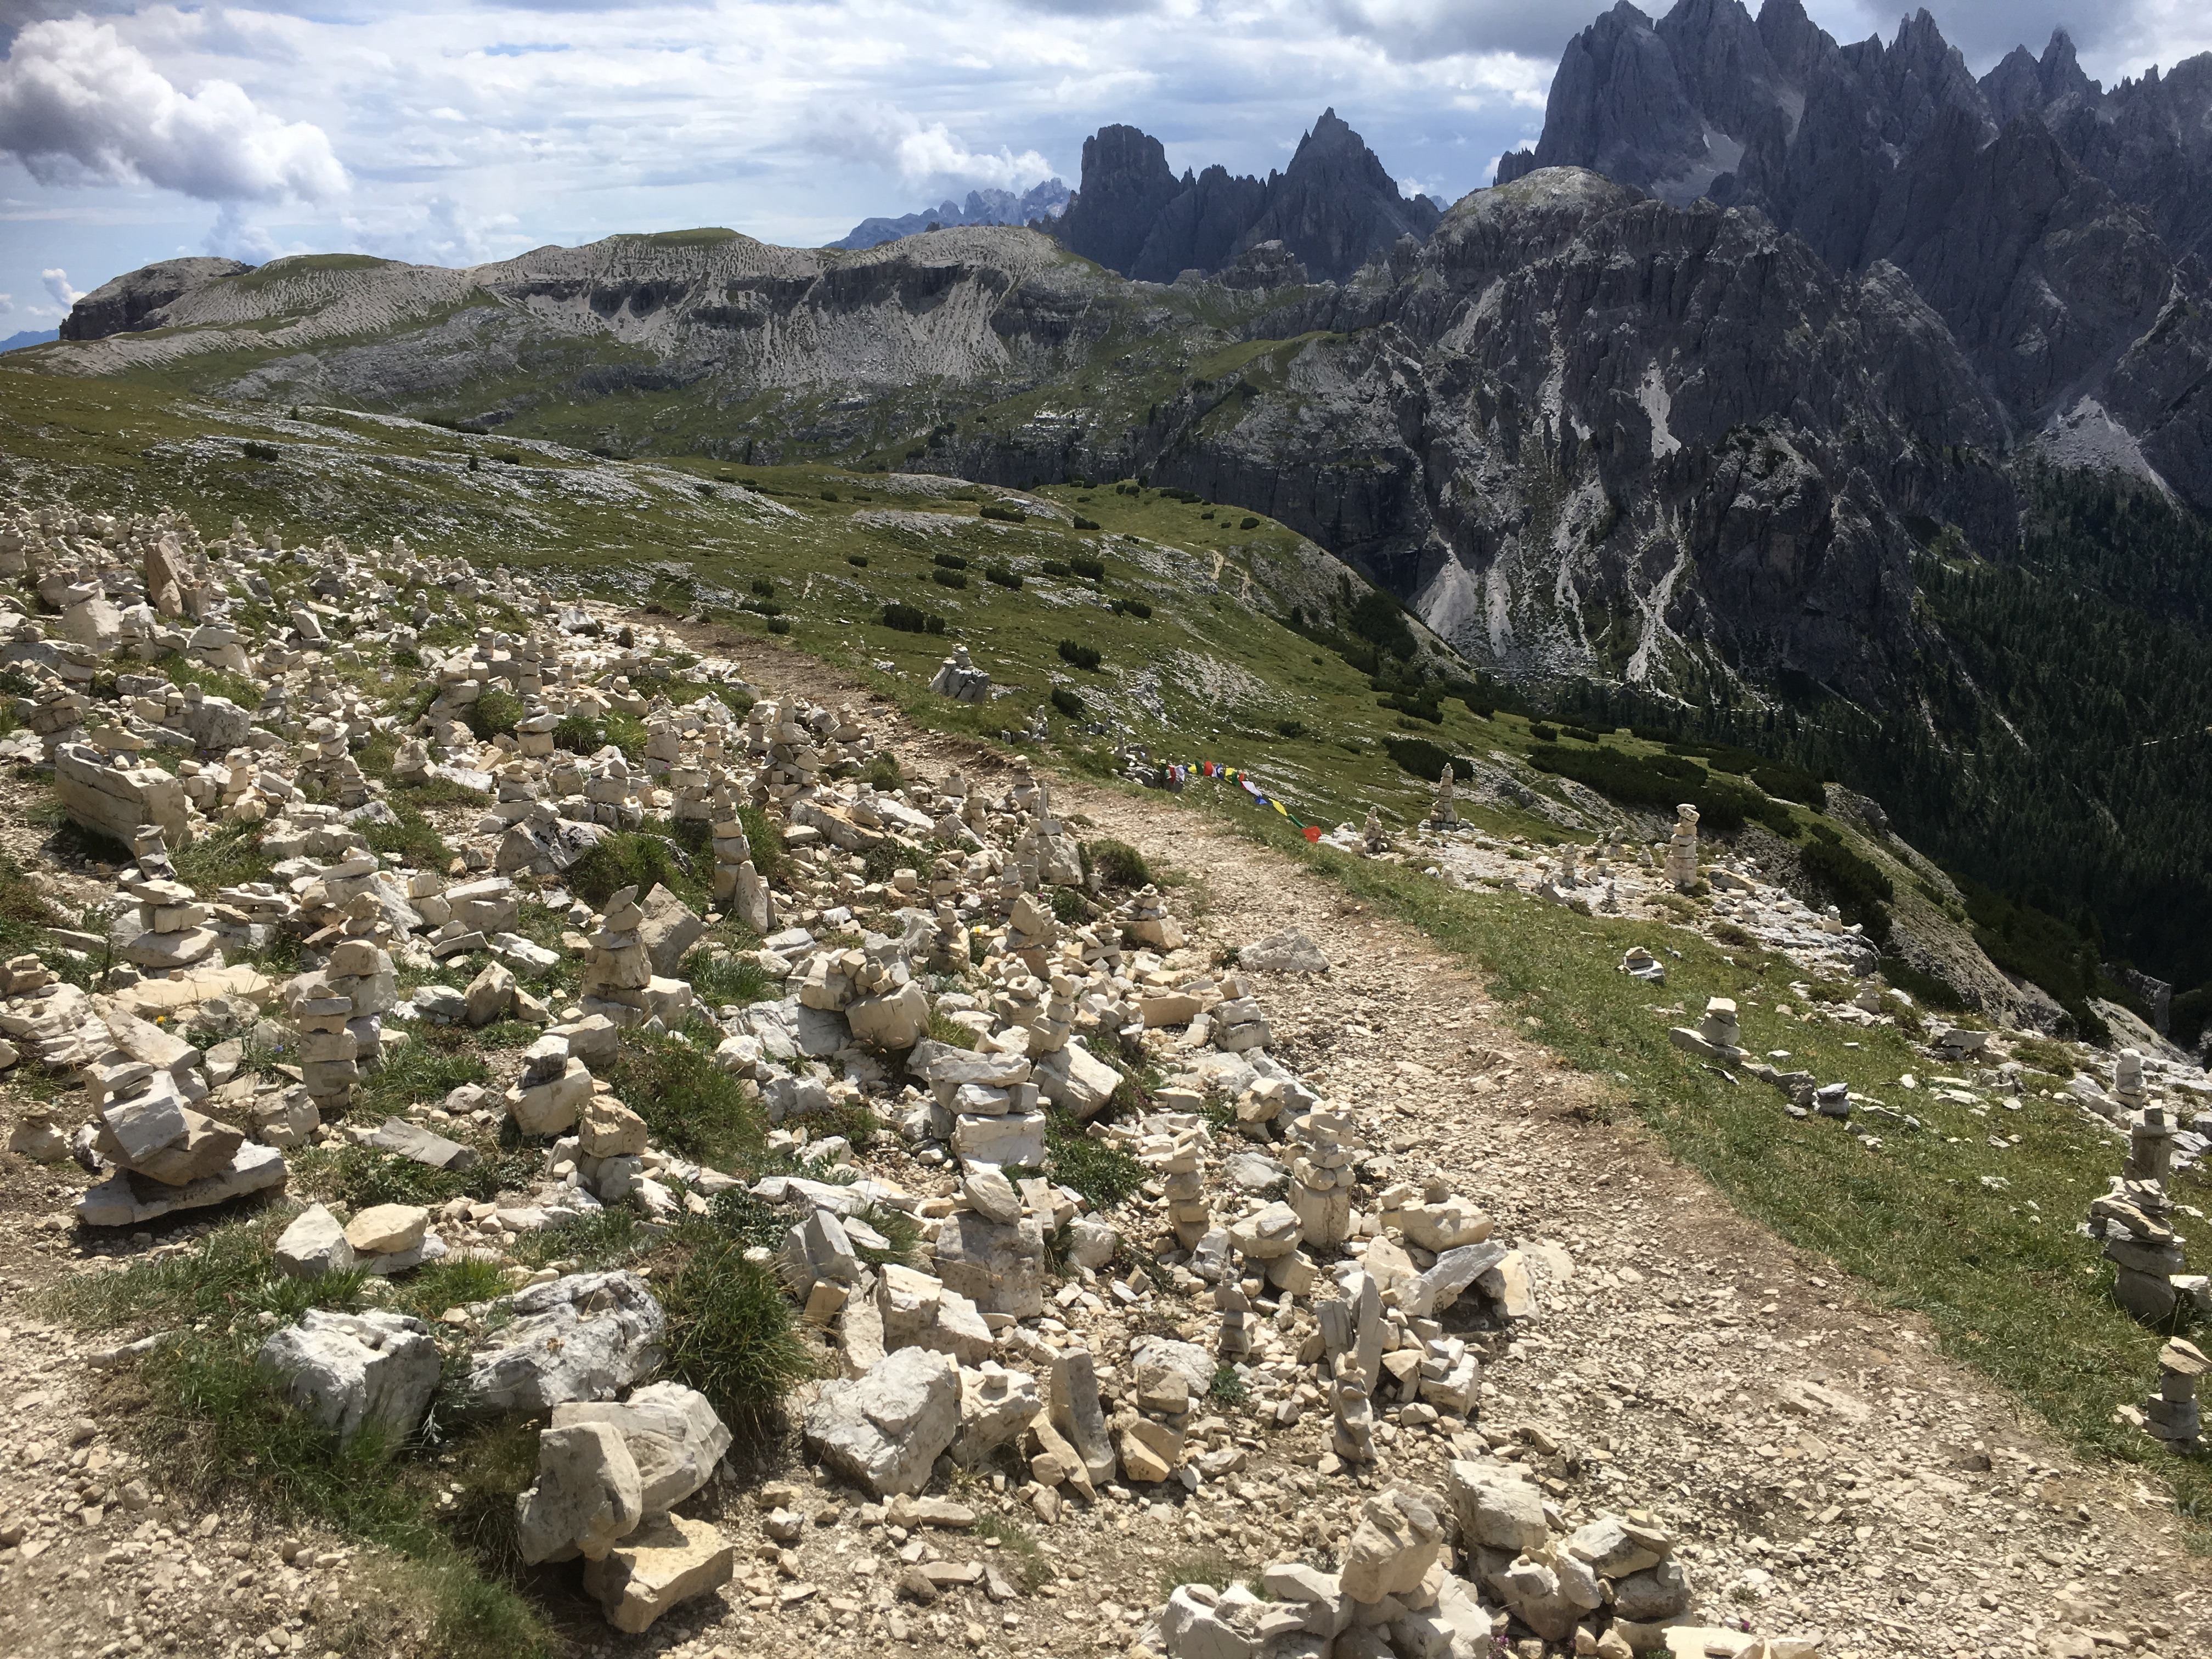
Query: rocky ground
(1804, 1457)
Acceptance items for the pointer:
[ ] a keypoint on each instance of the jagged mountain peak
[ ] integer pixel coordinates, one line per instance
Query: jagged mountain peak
(1334, 208)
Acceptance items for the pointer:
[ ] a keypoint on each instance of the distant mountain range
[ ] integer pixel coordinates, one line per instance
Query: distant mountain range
(984, 207)
(29, 337)
(2059, 230)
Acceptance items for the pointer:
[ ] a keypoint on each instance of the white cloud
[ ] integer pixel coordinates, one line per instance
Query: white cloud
(924, 155)
(78, 103)
(437, 230)
(58, 285)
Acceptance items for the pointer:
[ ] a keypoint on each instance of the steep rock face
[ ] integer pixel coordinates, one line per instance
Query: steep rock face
(1594, 433)
(1333, 209)
(1126, 186)
(2041, 217)
(130, 301)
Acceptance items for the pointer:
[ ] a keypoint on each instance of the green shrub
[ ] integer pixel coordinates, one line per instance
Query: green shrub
(828, 495)
(1103, 1175)
(1118, 863)
(494, 715)
(1425, 760)
(1003, 577)
(1543, 734)
(1003, 514)
(911, 619)
(1082, 523)
(949, 561)
(631, 858)
(1077, 654)
(691, 1105)
(948, 579)
(1248, 522)
(722, 981)
(1292, 728)
(1069, 701)
(1090, 569)
(858, 561)
(1861, 891)
(1662, 781)
(1923, 988)
(779, 624)
(1056, 568)
(731, 1334)
(1069, 906)
(580, 734)
(1137, 608)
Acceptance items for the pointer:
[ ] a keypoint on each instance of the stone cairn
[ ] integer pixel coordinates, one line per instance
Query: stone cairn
(739, 887)
(1680, 868)
(620, 969)
(174, 933)
(1371, 835)
(2135, 1218)
(1322, 1175)
(959, 679)
(2170, 1415)
(1443, 814)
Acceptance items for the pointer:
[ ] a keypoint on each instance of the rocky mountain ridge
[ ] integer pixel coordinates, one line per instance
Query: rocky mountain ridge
(2058, 228)
(1333, 209)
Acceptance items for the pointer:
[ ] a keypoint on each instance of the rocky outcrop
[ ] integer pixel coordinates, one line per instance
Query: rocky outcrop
(2045, 221)
(132, 300)
(1333, 209)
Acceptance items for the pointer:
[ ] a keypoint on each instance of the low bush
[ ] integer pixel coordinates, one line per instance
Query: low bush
(948, 579)
(633, 858)
(1090, 569)
(858, 561)
(580, 734)
(689, 1104)
(1291, 728)
(1056, 568)
(949, 561)
(1427, 760)
(1103, 1175)
(494, 715)
(911, 619)
(1003, 577)
(731, 1333)
(1861, 891)
(1923, 988)
(1137, 608)
(1003, 514)
(1069, 702)
(1118, 863)
(1079, 655)
(1082, 523)
(1248, 522)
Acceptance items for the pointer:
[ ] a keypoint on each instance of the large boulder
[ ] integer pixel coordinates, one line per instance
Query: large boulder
(670, 929)
(355, 1372)
(668, 1560)
(313, 1244)
(1000, 1267)
(587, 1494)
(588, 1336)
(673, 1435)
(896, 1020)
(885, 1430)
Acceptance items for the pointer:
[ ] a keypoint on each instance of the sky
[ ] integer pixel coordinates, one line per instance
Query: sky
(457, 131)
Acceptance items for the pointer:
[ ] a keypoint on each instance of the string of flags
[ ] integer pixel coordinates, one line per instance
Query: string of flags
(1181, 771)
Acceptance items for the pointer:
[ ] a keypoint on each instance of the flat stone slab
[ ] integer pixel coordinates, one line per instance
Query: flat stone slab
(412, 1140)
(118, 1201)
